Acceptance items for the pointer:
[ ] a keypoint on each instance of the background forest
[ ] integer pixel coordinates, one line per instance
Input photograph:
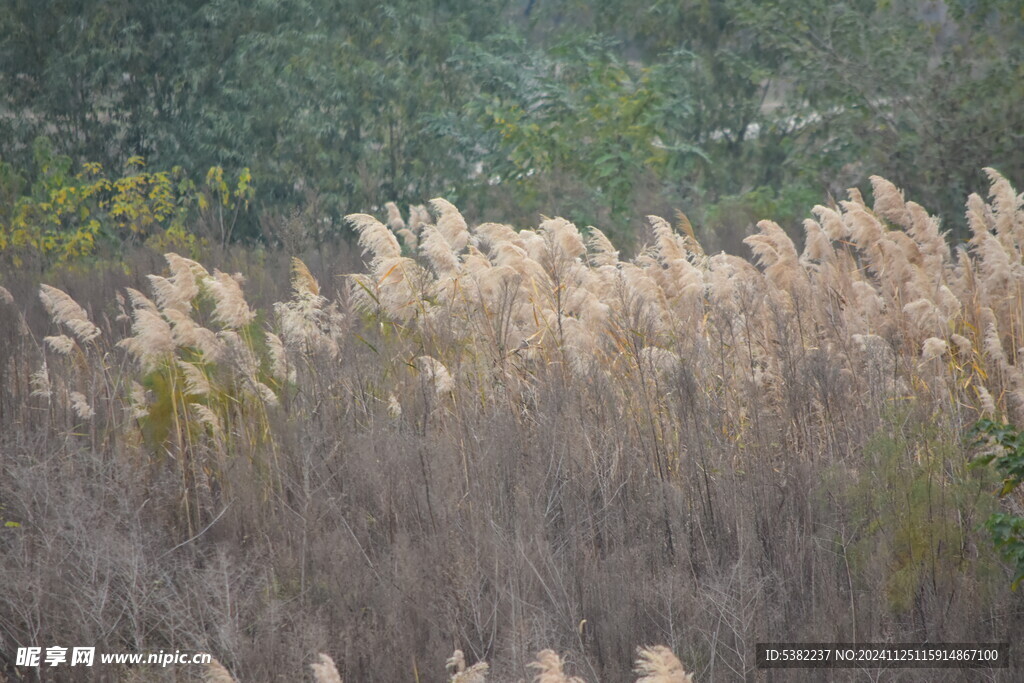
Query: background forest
(293, 361)
(733, 111)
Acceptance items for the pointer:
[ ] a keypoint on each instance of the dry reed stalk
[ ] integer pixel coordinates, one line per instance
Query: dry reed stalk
(776, 252)
(817, 245)
(670, 245)
(402, 286)
(409, 239)
(1007, 209)
(563, 237)
(889, 202)
(206, 416)
(489, 234)
(457, 662)
(689, 237)
(6, 297)
(933, 348)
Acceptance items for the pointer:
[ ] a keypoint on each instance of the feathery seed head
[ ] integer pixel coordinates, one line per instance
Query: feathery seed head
(933, 348)
(395, 221)
(564, 236)
(303, 281)
(65, 311)
(139, 402)
(394, 407)
(216, 673)
(474, 674)
(658, 664)
(671, 246)
(80, 404)
(324, 671)
(436, 372)
(550, 665)
(889, 202)
(196, 382)
(438, 251)
(457, 662)
(375, 237)
(61, 344)
(40, 382)
(230, 308)
(604, 252)
(450, 224)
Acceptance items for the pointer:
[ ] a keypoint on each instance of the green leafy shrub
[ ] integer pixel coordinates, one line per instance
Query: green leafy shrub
(66, 215)
(1007, 445)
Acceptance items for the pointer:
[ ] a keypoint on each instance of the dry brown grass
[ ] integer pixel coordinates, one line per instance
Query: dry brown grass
(503, 434)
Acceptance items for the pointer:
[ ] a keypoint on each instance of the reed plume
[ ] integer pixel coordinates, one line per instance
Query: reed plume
(153, 342)
(61, 344)
(374, 237)
(456, 664)
(216, 673)
(436, 373)
(550, 667)
(39, 381)
(80, 405)
(324, 671)
(65, 311)
(450, 224)
(230, 307)
(658, 664)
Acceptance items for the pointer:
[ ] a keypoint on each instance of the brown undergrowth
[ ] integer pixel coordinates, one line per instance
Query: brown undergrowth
(500, 441)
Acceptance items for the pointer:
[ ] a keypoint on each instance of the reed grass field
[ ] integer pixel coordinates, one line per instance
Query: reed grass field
(476, 452)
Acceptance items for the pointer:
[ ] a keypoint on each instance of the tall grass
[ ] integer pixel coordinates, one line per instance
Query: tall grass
(512, 440)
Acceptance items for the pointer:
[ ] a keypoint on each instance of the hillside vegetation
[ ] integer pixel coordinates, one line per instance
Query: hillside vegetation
(735, 110)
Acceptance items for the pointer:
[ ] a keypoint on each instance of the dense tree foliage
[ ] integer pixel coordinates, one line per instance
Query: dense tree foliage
(729, 110)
